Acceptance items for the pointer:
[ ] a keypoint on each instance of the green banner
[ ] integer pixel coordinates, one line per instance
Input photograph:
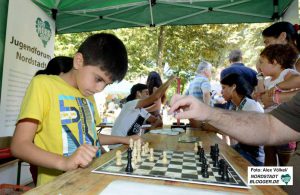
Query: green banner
(3, 18)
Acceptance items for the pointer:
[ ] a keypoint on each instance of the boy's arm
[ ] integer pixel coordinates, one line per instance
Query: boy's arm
(155, 106)
(155, 121)
(22, 147)
(110, 139)
(155, 95)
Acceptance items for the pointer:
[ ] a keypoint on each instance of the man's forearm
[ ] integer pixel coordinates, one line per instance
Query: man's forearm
(246, 127)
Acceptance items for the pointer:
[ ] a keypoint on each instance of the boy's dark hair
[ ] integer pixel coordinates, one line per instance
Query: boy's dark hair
(57, 65)
(242, 88)
(106, 51)
(285, 55)
(277, 28)
(135, 88)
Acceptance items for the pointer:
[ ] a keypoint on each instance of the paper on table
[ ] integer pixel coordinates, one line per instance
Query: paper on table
(137, 188)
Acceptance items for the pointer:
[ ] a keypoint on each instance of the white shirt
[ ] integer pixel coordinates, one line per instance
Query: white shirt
(129, 120)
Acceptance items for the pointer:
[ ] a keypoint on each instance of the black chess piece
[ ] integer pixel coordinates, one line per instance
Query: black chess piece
(221, 165)
(204, 171)
(225, 176)
(199, 149)
(216, 149)
(204, 161)
(129, 168)
(216, 160)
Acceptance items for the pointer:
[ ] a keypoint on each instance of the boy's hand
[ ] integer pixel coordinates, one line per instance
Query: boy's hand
(82, 157)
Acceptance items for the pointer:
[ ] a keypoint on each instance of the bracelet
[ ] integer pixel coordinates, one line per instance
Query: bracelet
(277, 88)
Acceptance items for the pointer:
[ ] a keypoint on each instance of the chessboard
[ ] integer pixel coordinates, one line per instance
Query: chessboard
(181, 166)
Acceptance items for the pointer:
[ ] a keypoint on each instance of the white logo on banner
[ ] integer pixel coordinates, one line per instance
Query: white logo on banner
(270, 175)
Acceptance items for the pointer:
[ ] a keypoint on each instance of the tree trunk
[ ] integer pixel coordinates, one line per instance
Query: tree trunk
(160, 50)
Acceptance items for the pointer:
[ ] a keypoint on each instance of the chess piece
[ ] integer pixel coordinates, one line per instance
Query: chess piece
(131, 143)
(225, 176)
(200, 144)
(143, 151)
(216, 160)
(164, 160)
(118, 158)
(151, 157)
(138, 157)
(196, 148)
(204, 171)
(129, 168)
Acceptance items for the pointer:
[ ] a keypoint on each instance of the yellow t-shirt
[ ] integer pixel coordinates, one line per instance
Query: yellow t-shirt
(66, 118)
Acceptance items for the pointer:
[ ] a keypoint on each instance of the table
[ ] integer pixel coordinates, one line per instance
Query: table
(82, 181)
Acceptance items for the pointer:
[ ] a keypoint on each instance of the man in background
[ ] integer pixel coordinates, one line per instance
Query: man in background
(200, 86)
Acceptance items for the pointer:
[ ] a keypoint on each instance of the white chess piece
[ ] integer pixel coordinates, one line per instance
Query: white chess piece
(151, 157)
(196, 147)
(200, 144)
(118, 158)
(131, 143)
(143, 151)
(165, 160)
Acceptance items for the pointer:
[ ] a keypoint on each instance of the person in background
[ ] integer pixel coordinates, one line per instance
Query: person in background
(58, 116)
(57, 65)
(200, 86)
(237, 90)
(276, 63)
(153, 83)
(134, 114)
(282, 33)
(236, 66)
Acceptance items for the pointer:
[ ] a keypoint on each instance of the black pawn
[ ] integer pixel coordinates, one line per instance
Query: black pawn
(204, 171)
(129, 168)
(216, 160)
(221, 165)
(225, 176)
(199, 149)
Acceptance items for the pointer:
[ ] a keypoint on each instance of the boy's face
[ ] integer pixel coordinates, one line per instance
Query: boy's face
(89, 79)
(266, 67)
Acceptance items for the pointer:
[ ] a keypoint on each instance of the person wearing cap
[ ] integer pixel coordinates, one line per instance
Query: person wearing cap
(200, 86)
(134, 112)
(236, 66)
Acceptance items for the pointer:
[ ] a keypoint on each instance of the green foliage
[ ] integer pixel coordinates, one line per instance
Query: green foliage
(181, 47)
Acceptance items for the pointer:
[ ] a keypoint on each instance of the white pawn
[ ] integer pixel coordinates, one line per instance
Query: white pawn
(164, 160)
(146, 147)
(151, 157)
(196, 147)
(139, 158)
(118, 158)
(143, 151)
(200, 144)
(131, 143)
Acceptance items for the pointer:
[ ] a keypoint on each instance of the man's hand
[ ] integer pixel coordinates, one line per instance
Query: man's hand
(189, 107)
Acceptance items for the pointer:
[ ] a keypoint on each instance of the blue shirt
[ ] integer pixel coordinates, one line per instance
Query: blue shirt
(199, 85)
(240, 69)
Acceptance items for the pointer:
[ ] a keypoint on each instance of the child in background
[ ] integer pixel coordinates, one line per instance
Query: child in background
(153, 83)
(134, 113)
(276, 63)
(56, 127)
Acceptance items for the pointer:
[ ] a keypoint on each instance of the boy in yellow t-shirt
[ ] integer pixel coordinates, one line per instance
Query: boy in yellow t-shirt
(56, 128)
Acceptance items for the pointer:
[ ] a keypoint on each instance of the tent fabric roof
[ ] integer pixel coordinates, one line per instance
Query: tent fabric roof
(90, 15)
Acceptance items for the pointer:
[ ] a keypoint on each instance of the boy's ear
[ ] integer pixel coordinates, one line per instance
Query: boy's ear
(78, 61)
(282, 36)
